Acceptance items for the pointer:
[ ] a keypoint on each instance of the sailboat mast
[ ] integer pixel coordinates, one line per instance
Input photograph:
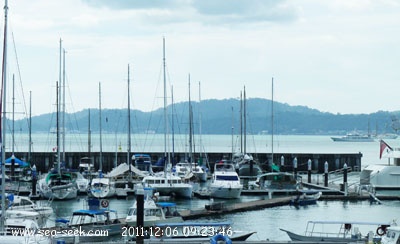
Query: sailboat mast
(101, 139)
(63, 108)
(89, 138)
(241, 123)
(190, 126)
(13, 118)
(58, 111)
(58, 129)
(30, 127)
(244, 121)
(200, 135)
(172, 123)
(3, 117)
(165, 103)
(129, 126)
(272, 120)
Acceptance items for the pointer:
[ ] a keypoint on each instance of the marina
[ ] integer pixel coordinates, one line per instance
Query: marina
(266, 213)
(262, 212)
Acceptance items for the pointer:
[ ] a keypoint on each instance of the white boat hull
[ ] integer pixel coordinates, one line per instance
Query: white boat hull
(225, 192)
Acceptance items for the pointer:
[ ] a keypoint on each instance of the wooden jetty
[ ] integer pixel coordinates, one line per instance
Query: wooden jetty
(220, 208)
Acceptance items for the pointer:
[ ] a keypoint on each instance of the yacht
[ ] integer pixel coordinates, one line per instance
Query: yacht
(168, 184)
(383, 179)
(354, 137)
(16, 228)
(225, 182)
(154, 212)
(22, 203)
(102, 187)
(58, 185)
(187, 170)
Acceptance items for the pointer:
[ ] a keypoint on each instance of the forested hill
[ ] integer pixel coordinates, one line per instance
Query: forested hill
(219, 117)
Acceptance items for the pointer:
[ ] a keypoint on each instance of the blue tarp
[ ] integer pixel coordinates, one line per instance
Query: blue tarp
(17, 161)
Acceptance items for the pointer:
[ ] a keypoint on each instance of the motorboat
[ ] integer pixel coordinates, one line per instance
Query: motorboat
(154, 212)
(16, 232)
(102, 187)
(98, 221)
(354, 137)
(276, 181)
(142, 161)
(225, 182)
(383, 179)
(187, 170)
(22, 203)
(392, 235)
(210, 232)
(306, 197)
(168, 184)
(182, 169)
(346, 231)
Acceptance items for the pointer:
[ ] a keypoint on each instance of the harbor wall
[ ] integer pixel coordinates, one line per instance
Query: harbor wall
(44, 160)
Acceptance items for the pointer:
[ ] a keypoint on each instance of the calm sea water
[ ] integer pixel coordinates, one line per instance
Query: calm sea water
(45, 142)
(266, 222)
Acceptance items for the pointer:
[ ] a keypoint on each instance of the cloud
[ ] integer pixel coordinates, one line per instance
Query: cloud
(206, 11)
(136, 4)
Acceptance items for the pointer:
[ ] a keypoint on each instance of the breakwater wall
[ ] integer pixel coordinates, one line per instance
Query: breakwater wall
(44, 160)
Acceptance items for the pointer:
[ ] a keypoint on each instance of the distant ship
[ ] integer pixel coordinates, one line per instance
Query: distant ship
(354, 137)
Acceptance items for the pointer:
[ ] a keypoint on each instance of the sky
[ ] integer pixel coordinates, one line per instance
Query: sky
(334, 56)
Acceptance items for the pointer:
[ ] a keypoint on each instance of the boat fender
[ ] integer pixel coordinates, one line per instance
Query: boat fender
(104, 203)
(219, 237)
(381, 230)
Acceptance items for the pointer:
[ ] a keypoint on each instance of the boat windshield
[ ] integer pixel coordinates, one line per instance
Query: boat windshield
(227, 177)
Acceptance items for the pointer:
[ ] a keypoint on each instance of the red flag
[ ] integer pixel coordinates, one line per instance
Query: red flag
(383, 146)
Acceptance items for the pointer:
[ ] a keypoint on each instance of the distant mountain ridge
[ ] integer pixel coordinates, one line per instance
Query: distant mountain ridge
(219, 117)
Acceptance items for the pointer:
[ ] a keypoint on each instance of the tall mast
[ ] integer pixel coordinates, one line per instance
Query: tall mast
(3, 117)
(101, 139)
(190, 126)
(129, 126)
(58, 111)
(166, 141)
(30, 127)
(272, 119)
(13, 118)
(63, 108)
(58, 129)
(200, 139)
(244, 120)
(165, 103)
(89, 139)
(172, 123)
(241, 123)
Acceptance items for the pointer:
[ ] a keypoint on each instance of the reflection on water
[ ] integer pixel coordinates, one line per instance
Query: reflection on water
(266, 222)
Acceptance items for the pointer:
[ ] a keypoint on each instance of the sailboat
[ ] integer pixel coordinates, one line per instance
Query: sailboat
(60, 182)
(102, 186)
(190, 168)
(165, 182)
(7, 223)
(247, 167)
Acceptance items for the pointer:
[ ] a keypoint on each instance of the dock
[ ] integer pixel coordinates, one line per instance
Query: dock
(221, 208)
